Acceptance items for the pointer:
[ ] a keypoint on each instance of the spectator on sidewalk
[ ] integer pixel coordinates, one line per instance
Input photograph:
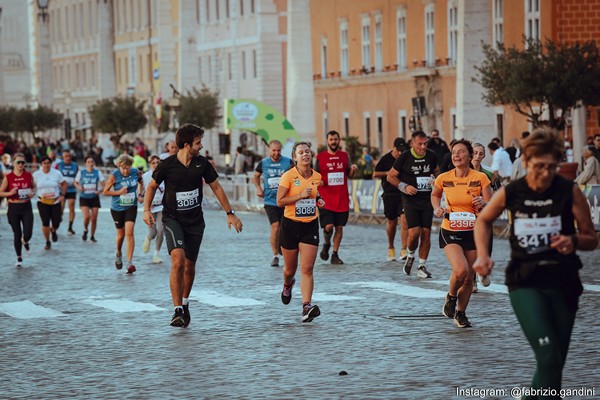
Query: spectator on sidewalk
(591, 168)
(501, 165)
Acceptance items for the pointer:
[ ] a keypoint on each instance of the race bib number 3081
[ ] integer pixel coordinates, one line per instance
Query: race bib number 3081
(533, 234)
(187, 200)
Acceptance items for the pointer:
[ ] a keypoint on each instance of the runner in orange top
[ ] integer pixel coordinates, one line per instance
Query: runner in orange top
(467, 191)
(299, 232)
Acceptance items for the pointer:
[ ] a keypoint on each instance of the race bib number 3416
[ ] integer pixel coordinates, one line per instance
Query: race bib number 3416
(533, 234)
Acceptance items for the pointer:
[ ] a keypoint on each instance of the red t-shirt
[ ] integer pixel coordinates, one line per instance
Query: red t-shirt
(334, 171)
(23, 183)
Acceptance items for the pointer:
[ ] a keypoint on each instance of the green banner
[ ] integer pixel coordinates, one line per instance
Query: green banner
(259, 118)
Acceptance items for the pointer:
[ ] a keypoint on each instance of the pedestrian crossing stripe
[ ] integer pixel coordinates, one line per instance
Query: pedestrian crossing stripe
(593, 288)
(402, 290)
(121, 306)
(494, 287)
(27, 310)
(333, 297)
(221, 300)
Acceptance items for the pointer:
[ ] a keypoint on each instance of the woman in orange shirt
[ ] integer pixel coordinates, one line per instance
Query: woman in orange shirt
(467, 191)
(299, 231)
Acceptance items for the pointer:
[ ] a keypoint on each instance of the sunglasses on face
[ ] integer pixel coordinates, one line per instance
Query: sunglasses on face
(20, 162)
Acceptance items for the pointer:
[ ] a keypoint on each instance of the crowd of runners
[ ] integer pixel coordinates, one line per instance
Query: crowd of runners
(548, 215)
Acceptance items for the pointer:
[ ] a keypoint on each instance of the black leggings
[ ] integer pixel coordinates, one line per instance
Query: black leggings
(20, 218)
(547, 323)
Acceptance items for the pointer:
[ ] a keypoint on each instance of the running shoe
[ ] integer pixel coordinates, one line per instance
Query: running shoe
(461, 320)
(391, 254)
(26, 245)
(146, 245)
(54, 236)
(19, 263)
(408, 265)
(275, 262)
(178, 319)
(423, 273)
(450, 306)
(310, 312)
(118, 262)
(156, 259)
(93, 239)
(475, 288)
(84, 236)
(48, 245)
(131, 269)
(286, 293)
(71, 232)
(325, 252)
(403, 255)
(485, 280)
(335, 259)
(186, 315)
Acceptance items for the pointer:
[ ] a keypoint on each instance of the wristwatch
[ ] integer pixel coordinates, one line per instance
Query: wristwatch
(232, 212)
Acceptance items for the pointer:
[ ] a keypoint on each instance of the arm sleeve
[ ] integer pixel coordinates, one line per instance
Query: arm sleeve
(259, 167)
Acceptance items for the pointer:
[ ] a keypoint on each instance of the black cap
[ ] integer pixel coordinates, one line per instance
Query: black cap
(399, 143)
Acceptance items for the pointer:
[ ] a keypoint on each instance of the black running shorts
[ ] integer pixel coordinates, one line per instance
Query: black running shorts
(120, 217)
(182, 236)
(71, 195)
(50, 212)
(418, 216)
(94, 202)
(392, 205)
(464, 239)
(334, 218)
(274, 213)
(292, 233)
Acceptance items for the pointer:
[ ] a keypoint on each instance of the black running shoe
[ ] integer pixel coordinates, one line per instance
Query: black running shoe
(48, 245)
(71, 231)
(449, 306)
(178, 319)
(325, 252)
(118, 262)
(310, 312)
(275, 262)
(408, 265)
(26, 245)
(84, 236)
(335, 259)
(286, 293)
(186, 315)
(54, 236)
(93, 239)
(461, 320)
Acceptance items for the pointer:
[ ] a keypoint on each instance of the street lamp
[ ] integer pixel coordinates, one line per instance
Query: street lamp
(43, 7)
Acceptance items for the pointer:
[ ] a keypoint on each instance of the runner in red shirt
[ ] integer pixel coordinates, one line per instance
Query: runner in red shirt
(335, 168)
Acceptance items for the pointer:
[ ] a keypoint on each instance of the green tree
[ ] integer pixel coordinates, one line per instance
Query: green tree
(118, 116)
(35, 120)
(354, 148)
(543, 77)
(200, 107)
(7, 118)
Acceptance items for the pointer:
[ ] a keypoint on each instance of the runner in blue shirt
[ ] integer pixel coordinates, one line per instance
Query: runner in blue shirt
(272, 167)
(122, 185)
(89, 181)
(69, 170)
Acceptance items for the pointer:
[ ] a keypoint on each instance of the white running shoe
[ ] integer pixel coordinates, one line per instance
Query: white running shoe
(156, 259)
(485, 280)
(391, 254)
(423, 273)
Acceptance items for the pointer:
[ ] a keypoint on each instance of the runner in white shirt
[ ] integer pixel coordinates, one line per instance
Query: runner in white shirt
(155, 230)
(51, 187)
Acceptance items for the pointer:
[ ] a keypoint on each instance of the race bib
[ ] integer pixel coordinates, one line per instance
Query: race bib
(335, 178)
(273, 182)
(24, 193)
(187, 200)
(533, 234)
(306, 208)
(424, 183)
(127, 199)
(89, 188)
(157, 200)
(461, 221)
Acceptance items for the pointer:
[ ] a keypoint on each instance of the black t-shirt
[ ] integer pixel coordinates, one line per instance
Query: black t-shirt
(183, 186)
(384, 164)
(417, 172)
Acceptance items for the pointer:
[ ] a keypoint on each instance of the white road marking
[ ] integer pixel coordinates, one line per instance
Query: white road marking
(123, 305)
(221, 300)
(26, 310)
(333, 297)
(403, 290)
(494, 287)
(593, 288)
